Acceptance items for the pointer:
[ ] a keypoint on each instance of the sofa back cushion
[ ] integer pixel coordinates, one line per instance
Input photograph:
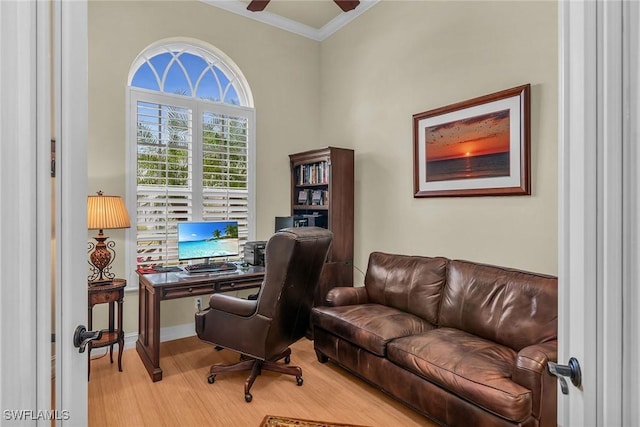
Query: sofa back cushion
(511, 307)
(409, 283)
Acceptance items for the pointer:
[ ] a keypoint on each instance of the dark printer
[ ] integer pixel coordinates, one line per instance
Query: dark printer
(254, 252)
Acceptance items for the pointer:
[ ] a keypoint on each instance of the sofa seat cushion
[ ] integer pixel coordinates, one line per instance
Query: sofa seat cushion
(471, 367)
(370, 326)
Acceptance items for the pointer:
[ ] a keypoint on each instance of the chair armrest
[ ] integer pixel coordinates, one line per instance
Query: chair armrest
(346, 296)
(233, 305)
(531, 372)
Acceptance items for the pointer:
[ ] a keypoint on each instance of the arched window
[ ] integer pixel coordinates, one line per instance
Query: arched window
(191, 134)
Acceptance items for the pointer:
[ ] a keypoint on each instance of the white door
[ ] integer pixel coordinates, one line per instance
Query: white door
(71, 123)
(598, 218)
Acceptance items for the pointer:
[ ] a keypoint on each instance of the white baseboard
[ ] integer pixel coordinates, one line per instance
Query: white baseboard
(166, 334)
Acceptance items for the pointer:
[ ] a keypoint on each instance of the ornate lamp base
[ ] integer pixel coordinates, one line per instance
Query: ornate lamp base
(100, 261)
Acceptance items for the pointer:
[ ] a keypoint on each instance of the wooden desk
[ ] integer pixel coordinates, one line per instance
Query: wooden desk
(165, 286)
(111, 294)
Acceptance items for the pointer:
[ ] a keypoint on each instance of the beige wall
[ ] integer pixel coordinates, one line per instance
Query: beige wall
(357, 89)
(403, 58)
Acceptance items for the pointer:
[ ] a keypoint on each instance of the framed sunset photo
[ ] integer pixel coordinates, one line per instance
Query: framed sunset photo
(479, 147)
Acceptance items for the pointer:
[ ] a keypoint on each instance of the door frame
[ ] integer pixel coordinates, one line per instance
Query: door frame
(25, 327)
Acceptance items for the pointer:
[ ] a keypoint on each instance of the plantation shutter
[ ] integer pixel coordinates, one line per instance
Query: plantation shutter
(224, 169)
(187, 170)
(164, 179)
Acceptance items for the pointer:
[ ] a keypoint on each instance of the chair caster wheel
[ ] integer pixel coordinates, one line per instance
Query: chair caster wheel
(299, 381)
(248, 397)
(211, 379)
(287, 360)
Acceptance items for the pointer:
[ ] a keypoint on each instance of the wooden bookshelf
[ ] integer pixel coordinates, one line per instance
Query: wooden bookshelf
(322, 187)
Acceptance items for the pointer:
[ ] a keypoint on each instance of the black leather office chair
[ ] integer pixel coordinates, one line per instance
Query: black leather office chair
(262, 330)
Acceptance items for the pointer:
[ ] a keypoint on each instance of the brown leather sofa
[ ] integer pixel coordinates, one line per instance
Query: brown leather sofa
(463, 343)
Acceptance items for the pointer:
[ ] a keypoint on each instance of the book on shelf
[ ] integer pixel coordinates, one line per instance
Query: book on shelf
(303, 197)
(313, 173)
(316, 197)
(319, 197)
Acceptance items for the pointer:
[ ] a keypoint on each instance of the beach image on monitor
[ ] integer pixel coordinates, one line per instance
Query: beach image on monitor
(207, 239)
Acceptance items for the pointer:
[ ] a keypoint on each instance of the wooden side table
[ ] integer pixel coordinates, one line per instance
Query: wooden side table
(111, 294)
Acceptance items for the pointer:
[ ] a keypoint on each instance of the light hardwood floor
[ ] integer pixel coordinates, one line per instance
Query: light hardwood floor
(185, 398)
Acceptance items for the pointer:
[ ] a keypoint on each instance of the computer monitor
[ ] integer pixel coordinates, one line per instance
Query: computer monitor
(207, 239)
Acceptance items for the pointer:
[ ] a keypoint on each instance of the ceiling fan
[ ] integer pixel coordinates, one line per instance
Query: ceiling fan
(345, 5)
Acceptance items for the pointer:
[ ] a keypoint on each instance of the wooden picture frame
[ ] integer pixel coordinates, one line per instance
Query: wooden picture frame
(479, 147)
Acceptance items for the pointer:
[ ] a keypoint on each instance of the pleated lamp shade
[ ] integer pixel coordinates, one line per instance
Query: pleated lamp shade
(106, 212)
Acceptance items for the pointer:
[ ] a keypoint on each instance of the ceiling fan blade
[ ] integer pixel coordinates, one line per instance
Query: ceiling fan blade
(257, 5)
(347, 5)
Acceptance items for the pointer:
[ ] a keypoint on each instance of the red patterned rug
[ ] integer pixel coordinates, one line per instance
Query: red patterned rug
(276, 421)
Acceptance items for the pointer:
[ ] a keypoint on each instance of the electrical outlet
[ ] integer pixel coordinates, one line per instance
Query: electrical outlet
(198, 302)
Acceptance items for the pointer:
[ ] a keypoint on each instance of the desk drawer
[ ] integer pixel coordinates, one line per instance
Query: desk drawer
(186, 291)
(235, 285)
(103, 297)
(207, 287)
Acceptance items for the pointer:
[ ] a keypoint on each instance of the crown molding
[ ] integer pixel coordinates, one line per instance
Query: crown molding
(266, 17)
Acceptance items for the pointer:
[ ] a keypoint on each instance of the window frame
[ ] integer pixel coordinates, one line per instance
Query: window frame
(197, 107)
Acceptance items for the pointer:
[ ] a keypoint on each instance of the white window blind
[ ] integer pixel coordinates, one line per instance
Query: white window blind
(164, 179)
(192, 165)
(224, 169)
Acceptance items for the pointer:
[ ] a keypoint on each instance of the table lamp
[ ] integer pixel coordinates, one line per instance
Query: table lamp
(104, 212)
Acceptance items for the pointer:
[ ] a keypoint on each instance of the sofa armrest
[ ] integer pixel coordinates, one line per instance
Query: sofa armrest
(531, 372)
(346, 296)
